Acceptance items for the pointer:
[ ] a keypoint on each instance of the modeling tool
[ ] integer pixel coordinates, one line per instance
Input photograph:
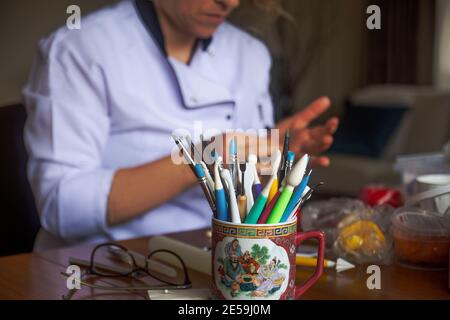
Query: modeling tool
(221, 201)
(293, 180)
(248, 182)
(269, 207)
(257, 187)
(261, 201)
(233, 163)
(296, 197)
(198, 158)
(305, 197)
(208, 176)
(308, 261)
(273, 189)
(232, 202)
(290, 158)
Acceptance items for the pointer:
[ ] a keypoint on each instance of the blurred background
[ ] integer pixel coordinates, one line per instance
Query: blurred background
(390, 87)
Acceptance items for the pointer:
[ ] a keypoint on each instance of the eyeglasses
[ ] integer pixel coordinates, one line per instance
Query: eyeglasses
(173, 275)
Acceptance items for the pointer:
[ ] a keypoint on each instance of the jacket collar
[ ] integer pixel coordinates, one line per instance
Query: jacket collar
(147, 12)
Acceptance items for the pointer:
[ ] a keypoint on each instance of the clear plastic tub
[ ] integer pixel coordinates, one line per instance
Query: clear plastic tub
(412, 166)
(421, 238)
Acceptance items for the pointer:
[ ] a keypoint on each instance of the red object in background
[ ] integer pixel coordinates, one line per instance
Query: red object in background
(378, 195)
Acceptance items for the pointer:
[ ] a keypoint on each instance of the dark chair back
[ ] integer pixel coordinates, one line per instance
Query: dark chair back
(19, 221)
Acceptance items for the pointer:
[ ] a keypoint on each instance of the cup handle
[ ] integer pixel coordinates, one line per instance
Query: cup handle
(299, 238)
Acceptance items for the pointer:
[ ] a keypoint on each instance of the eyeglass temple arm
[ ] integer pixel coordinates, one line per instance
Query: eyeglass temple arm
(86, 264)
(140, 260)
(153, 265)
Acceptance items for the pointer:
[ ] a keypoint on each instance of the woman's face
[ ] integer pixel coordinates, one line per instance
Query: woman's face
(198, 18)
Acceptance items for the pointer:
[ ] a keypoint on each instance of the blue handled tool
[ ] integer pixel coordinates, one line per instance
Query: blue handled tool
(298, 192)
(221, 201)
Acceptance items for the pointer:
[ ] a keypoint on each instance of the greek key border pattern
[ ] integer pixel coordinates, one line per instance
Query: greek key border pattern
(252, 232)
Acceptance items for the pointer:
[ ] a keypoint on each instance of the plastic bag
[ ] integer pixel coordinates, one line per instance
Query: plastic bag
(354, 231)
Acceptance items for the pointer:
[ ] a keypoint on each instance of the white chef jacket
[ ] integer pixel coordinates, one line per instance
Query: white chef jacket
(107, 97)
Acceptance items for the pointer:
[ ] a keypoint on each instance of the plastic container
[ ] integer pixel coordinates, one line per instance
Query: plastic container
(412, 166)
(421, 238)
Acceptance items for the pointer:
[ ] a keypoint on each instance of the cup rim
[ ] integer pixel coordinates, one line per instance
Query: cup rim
(256, 225)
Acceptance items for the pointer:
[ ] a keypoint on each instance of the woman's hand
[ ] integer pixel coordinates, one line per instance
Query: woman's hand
(313, 140)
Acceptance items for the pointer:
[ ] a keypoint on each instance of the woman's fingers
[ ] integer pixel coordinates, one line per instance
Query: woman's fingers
(315, 147)
(247, 144)
(321, 161)
(303, 118)
(313, 141)
(332, 125)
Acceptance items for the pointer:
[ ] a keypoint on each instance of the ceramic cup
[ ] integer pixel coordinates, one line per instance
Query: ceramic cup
(432, 192)
(257, 261)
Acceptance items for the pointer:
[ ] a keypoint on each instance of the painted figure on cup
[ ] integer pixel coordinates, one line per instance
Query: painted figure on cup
(269, 278)
(255, 273)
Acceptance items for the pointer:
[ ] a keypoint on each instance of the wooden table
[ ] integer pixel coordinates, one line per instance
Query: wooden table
(37, 276)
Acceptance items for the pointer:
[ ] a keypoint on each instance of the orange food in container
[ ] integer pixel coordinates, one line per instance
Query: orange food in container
(421, 238)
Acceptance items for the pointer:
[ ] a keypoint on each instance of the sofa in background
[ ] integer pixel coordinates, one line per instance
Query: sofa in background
(410, 120)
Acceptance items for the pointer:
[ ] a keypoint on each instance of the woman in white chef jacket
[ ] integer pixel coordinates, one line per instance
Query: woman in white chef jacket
(103, 101)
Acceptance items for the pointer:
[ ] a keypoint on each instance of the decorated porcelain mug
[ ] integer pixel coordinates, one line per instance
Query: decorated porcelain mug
(257, 261)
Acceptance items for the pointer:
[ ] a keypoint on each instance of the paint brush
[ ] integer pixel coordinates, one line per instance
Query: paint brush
(242, 198)
(197, 154)
(185, 154)
(305, 197)
(204, 185)
(287, 138)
